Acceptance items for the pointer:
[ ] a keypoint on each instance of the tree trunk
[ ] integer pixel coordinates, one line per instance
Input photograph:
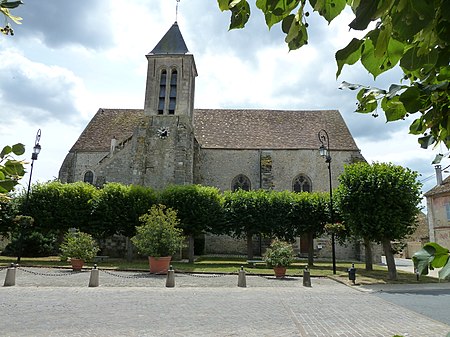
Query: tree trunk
(310, 250)
(390, 261)
(129, 249)
(191, 249)
(368, 255)
(249, 246)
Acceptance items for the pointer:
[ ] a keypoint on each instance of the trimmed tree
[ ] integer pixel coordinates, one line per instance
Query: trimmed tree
(379, 203)
(199, 209)
(247, 213)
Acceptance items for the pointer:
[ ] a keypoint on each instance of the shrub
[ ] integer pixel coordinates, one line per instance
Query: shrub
(78, 245)
(279, 254)
(158, 235)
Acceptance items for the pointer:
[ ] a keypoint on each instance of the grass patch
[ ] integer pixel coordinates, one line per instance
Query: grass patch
(225, 264)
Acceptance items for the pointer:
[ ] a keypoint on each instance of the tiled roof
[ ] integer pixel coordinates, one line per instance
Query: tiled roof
(438, 189)
(171, 43)
(106, 124)
(232, 129)
(270, 129)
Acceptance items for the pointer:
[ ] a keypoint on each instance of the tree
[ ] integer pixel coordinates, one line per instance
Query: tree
(248, 213)
(414, 34)
(198, 208)
(5, 9)
(311, 213)
(379, 203)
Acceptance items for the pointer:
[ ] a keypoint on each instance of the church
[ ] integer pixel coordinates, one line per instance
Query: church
(172, 142)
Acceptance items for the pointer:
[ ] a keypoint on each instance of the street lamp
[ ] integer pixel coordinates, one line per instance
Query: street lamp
(324, 151)
(34, 156)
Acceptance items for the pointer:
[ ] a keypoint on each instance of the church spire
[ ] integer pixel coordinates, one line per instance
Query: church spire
(171, 43)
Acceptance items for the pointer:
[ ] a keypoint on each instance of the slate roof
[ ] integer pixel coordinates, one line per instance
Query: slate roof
(171, 43)
(439, 189)
(229, 129)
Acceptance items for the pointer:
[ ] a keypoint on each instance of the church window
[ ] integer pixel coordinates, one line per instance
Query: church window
(301, 183)
(162, 92)
(240, 182)
(173, 92)
(89, 177)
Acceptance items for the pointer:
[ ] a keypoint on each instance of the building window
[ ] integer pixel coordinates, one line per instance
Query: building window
(301, 184)
(89, 177)
(447, 208)
(173, 92)
(240, 182)
(162, 92)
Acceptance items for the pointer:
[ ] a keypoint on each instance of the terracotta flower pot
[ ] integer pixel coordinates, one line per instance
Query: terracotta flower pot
(159, 265)
(77, 264)
(280, 272)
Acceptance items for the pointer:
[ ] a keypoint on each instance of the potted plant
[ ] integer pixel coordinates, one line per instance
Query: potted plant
(279, 256)
(79, 247)
(158, 237)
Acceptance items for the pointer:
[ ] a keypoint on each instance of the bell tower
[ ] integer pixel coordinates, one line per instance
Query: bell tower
(165, 142)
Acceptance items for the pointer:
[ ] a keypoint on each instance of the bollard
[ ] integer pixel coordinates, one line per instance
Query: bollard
(241, 278)
(416, 271)
(306, 277)
(10, 279)
(93, 280)
(352, 273)
(170, 281)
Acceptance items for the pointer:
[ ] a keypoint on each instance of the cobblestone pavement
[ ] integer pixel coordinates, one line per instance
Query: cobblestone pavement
(133, 304)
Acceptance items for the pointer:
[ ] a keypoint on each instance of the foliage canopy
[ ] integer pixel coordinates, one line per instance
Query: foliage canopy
(414, 34)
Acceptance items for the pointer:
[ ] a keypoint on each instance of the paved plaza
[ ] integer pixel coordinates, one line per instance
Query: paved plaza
(52, 302)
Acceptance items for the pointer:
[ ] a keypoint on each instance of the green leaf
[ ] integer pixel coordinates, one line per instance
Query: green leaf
(224, 5)
(393, 108)
(426, 141)
(411, 99)
(11, 4)
(18, 149)
(377, 65)
(444, 273)
(329, 9)
(6, 150)
(240, 13)
(422, 259)
(364, 14)
(348, 55)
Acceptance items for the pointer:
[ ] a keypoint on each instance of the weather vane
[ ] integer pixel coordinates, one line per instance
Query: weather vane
(176, 11)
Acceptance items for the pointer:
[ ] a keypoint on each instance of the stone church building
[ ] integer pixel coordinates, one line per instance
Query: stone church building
(171, 142)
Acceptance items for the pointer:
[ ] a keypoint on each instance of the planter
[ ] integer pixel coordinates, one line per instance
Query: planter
(280, 272)
(159, 265)
(77, 264)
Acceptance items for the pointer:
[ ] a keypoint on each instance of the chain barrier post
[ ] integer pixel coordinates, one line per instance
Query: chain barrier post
(306, 277)
(94, 279)
(241, 278)
(10, 279)
(170, 281)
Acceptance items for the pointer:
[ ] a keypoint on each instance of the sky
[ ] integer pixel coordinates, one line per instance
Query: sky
(68, 60)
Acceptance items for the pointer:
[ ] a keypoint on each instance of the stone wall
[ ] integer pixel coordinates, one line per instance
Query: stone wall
(274, 169)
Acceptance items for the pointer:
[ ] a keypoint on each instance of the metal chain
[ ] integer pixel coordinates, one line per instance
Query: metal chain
(129, 276)
(50, 274)
(201, 275)
(3, 268)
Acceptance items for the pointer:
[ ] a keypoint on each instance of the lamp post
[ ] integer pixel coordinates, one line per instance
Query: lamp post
(34, 156)
(324, 150)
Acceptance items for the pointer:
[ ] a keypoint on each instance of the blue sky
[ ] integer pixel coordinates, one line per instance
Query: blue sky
(68, 60)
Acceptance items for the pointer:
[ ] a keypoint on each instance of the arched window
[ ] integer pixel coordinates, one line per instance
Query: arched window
(301, 183)
(173, 92)
(162, 92)
(240, 182)
(89, 177)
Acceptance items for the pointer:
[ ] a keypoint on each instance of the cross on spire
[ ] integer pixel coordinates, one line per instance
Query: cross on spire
(176, 11)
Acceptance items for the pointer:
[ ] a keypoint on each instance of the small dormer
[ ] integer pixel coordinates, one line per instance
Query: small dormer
(170, 77)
